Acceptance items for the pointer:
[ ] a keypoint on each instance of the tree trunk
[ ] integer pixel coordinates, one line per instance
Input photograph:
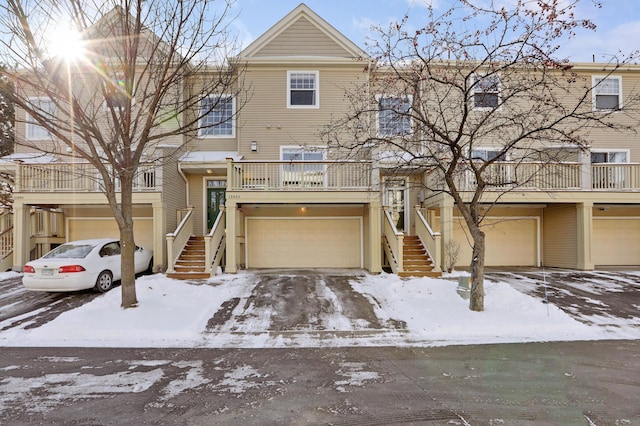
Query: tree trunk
(476, 300)
(128, 247)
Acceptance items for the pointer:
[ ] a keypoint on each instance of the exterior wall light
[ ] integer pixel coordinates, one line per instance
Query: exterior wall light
(254, 146)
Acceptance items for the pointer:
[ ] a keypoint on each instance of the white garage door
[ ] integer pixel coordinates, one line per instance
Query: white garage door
(88, 228)
(508, 242)
(304, 243)
(616, 241)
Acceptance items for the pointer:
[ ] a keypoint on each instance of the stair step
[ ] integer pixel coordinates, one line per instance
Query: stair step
(417, 274)
(188, 275)
(179, 268)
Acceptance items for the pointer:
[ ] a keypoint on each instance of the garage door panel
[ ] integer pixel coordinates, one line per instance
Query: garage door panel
(508, 242)
(89, 228)
(616, 241)
(304, 243)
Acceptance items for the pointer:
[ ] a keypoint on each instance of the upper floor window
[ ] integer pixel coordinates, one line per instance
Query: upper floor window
(302, 88)
(609, 156)
(217, 116)
(394, 117)
(486, 92)
(607, 93)
(116, 94)
(46, 108)
(488, 154)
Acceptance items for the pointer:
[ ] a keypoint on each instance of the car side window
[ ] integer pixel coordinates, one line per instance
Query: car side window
(110, 249)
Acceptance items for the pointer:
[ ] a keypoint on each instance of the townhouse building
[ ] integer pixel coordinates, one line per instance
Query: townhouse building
(262, 190)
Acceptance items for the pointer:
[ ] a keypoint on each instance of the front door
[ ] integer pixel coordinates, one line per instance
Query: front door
(215, 200)
(395, 201)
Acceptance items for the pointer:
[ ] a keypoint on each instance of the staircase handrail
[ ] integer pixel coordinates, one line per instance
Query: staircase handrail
(177, 240)
(215, 243)
(430, 239)
(394, 241)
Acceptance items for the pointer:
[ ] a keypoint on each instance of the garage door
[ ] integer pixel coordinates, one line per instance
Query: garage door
(509, 241)
(87, 228)
(304, 243)
(616, 241)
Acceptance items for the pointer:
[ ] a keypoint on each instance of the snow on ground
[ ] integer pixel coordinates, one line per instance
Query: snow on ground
(175, 314)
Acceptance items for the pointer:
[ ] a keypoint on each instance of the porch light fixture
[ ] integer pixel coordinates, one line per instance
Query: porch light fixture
(254, 146)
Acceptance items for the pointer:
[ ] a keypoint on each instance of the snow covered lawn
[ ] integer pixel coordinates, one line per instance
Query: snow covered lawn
(175, 314)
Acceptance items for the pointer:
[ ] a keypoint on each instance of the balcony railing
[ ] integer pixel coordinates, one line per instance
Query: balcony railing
(301, 176)
(79, 177)
(539, 176)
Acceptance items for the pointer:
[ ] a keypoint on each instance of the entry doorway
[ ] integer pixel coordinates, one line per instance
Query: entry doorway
(394, 198)
(216, 193)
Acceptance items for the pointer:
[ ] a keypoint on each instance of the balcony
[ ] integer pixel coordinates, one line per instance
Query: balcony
(301, 176)
(79, 177)
(539, 176)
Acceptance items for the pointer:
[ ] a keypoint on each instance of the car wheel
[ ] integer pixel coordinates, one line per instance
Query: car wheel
(149, 269)
(104, 282)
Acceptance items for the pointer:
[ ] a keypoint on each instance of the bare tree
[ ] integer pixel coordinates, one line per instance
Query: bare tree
(476, 77)
(144, 73)
(6, 134)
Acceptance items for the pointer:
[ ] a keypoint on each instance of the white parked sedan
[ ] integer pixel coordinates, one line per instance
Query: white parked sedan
(79, 265)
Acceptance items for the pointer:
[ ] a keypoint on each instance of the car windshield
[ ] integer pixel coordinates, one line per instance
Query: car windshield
(69, 251)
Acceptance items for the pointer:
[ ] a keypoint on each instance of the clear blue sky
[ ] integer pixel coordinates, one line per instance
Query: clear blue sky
(618, 21)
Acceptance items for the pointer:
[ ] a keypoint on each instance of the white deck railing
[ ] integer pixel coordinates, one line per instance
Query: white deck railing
(539, 176)
(79, 177)
(430, 239)
(300, 175)
(393, 244)
(177, 240)
(215, 242)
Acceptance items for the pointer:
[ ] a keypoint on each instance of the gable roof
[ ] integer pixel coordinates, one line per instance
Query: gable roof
(303, 33)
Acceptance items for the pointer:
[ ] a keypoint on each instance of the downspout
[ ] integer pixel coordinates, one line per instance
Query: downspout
(186, 181)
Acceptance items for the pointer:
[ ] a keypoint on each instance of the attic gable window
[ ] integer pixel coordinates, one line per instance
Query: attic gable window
(115, 90)
(302, 89)
(217, 114)
(607, 93)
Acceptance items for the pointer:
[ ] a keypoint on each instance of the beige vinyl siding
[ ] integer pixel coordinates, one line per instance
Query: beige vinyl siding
(173, 193)
(560, 239)
(267, 120)
(196, 200)
(302, 38)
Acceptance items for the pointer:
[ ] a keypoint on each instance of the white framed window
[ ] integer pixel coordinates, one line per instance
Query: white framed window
(606, 156)
(303, 89)
(607, 93)
(394, 117)
(217, 117)
(297, 174)
(485, 92)
(488, 154)
(45, 107)
(116, 94)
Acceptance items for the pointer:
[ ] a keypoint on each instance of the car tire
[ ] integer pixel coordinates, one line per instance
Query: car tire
(149, 269)
(104, 282)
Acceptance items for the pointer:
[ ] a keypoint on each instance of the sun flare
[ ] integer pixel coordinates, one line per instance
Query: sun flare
(67, 44)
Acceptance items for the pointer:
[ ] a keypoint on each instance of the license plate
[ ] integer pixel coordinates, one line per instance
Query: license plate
(47, 271)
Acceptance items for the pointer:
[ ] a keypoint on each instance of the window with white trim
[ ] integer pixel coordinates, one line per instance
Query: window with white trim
(116, 94)
(607, 93)
(488, 154)
(485, 93)
(302, 174)
(609, 157)
(302, 89)
(394, 117)
(45, 108)
(217, 117)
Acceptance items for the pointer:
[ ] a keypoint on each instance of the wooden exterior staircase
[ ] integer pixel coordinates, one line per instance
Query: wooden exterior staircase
(191, 264)
(416, 260)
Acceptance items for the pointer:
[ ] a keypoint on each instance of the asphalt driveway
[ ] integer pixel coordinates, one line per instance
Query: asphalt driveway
(589, 296)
